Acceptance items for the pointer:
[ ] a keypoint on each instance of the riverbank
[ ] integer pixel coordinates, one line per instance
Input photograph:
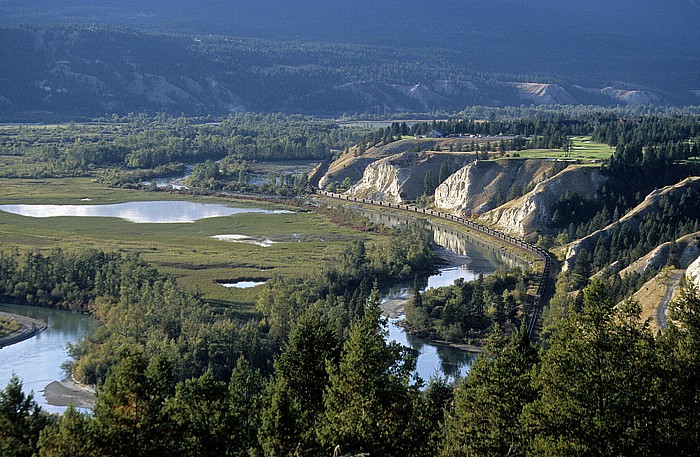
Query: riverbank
(66, 393)
(30, 327)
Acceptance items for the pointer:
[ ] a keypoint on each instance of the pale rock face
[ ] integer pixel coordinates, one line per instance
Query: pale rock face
(532, 212)
(401, 176)
(381, 181)
(455, 193)
(479, 186)
(693, 273)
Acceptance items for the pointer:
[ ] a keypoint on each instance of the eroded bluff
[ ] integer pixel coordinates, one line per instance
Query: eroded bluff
(402, 177)
(484, 185)
(532, 213)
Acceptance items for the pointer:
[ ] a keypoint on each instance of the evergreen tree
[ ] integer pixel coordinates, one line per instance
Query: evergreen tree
(428, 184)
(21, 421)
(368, 402)
(596, 383)
(200, 412)
(490, 400)
(129, 407)
(72, 436)
(679, 353)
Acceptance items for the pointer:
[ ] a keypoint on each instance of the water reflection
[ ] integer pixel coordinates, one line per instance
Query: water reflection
(242, 284)
(434, 358)
(148, 212)
(37, 361)
(468, 258)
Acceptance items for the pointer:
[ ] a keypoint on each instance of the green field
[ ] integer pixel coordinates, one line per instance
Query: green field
(584, 149)
(185, 251)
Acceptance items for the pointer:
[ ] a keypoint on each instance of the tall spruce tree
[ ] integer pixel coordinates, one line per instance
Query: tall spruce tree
(368, 402)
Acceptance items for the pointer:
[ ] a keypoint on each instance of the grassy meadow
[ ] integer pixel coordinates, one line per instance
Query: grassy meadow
(584, 149)
(306, 240)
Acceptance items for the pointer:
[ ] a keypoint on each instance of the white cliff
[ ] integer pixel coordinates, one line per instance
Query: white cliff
(482, 185)
(402, 176)
(531, 213)
(693, 272)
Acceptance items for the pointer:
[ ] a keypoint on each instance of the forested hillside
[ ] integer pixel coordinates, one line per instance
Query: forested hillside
(647, 43)
(63, 71)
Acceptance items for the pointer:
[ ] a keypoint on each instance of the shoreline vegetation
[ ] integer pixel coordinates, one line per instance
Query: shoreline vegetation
(29, 328)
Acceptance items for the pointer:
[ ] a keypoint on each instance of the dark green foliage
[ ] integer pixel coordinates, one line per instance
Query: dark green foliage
(21, 421)
(482, 421)
(597, 384)
(129, 410)
(73, 435)
(466, 309)
(201, 414)
(368, 402)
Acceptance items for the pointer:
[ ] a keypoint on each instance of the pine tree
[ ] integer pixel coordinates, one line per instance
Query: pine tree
(490, 400)
(21, 421)
(368, 402)
(596, 383)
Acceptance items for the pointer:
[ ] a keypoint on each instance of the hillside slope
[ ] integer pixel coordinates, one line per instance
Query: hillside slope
(644, 42)
(532, 213)
(481, 185)
(632, 219)
(74, 71)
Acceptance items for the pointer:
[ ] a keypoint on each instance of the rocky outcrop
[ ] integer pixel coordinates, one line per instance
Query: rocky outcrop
(482, 185)
(352, 164)
(632, 218)
(544, 94)
(531, 213)
(693, 272)
(687, 250)
(631, 97)
(402, 177)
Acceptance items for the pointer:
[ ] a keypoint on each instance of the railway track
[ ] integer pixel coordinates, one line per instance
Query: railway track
(536, 310)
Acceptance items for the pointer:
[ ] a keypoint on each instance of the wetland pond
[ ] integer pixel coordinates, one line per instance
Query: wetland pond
(147, 212)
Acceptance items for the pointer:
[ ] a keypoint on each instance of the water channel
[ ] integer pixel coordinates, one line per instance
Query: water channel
(467, 258)
(37, 361)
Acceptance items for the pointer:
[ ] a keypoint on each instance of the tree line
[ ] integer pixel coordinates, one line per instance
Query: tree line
(600, 383)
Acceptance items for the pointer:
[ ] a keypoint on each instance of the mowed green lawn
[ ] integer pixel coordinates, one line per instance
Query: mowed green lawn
(184, 250)
(584, 149)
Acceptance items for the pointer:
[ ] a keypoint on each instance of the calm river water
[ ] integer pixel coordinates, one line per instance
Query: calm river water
(470, 258)
(37, 361)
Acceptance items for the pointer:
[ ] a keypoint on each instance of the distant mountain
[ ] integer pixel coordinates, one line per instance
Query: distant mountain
(92, 71)
(651, 43)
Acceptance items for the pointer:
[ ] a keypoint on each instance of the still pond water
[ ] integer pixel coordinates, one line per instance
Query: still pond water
(148, 212)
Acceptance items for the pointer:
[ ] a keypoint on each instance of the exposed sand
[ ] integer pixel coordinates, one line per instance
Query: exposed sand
(393, 308)
(65, 393)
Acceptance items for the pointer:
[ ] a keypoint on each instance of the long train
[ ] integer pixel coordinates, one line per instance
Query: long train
(536, 310)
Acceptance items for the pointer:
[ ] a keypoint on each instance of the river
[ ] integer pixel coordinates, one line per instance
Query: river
(468, 257)
(37, 361)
